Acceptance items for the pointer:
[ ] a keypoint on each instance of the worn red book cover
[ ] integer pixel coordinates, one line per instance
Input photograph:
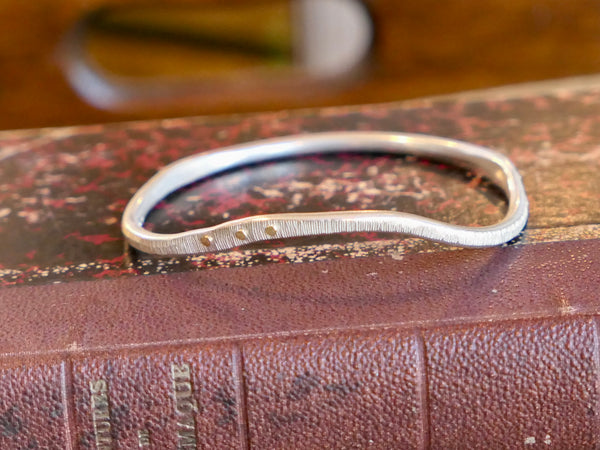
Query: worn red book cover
(350, 341)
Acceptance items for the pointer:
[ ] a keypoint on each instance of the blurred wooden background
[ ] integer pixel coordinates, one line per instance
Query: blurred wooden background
(420, 48)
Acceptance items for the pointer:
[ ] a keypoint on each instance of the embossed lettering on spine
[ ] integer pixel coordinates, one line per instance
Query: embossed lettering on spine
(101, 414)
(185, 405)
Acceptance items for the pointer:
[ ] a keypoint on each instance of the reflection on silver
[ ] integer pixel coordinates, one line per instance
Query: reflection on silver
(263, 227)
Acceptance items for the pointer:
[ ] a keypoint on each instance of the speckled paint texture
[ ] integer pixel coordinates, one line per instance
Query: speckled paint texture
(62, 191)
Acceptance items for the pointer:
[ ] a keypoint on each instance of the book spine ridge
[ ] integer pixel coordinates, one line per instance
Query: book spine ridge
(425, 387)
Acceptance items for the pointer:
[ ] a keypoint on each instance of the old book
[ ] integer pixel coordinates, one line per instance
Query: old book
(354, 341)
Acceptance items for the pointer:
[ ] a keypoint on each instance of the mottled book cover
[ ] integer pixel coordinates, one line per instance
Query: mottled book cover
(62, 191)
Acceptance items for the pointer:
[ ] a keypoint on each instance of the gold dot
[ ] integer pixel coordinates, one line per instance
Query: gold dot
(271, 230)
(241, 235)
(206, 240)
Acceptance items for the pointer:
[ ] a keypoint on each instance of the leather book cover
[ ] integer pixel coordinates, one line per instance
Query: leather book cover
(350, 341)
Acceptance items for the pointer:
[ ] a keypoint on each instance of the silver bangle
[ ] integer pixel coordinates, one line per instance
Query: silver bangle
(234, 233)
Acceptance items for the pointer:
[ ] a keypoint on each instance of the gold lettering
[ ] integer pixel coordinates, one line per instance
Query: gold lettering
(143, 438)
(182, 391)
(187, 408)
(104, 441)
(98, 386)
(182, 387)
(185, 405)
(186, 422)
(103, 427)
(180, 372)
(99, 401)
(100, 414)
(187, 439)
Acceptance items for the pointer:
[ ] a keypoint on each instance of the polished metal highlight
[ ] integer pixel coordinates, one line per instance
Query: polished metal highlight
(495, 166)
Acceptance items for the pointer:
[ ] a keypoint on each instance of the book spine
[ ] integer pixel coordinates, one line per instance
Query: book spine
(510, 384)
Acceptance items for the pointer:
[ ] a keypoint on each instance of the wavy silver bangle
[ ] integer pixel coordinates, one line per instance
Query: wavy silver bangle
(238, 232)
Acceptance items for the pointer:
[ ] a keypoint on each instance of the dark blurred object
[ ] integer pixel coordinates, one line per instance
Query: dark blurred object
(420, 48)
(132, 59)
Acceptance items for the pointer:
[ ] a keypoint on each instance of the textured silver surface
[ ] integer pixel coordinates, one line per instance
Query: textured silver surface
(495, 166)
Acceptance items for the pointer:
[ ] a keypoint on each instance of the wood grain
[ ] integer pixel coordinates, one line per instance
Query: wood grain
(422, 48)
